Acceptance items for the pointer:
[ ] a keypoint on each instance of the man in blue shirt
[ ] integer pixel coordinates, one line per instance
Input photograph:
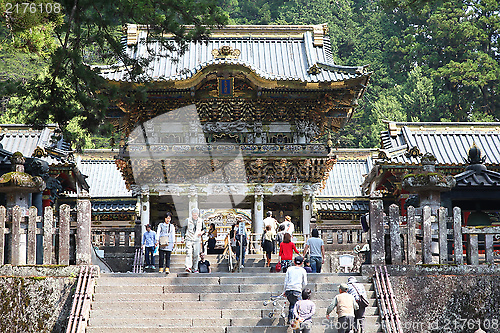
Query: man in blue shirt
(149, 242)
(317, 248)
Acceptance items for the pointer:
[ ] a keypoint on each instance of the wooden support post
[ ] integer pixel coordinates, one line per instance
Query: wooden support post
(412, 238)
(64, 234)
(48, 231)
(472, 250)
(488, 243)
(397, 258)
(83, 234)
(3, 214)
(15, 236)
(443, 236)
(31, 239)
(377, 246)
(426, 244)
(457, 235)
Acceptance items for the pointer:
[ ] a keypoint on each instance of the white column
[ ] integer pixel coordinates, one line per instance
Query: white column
(193, 198)
(306, 209)
(258, 212)
(145, 209)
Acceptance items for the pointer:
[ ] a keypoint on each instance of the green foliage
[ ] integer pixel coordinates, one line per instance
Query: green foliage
(70, 92)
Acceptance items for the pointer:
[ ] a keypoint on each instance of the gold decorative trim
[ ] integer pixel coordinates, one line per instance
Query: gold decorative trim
(226, 52)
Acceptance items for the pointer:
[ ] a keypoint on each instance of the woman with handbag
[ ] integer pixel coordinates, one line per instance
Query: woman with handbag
(287, 247)
(166, 233)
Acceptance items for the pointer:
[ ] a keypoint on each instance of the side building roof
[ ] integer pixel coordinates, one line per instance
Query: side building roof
(342, 192)
(448, 142)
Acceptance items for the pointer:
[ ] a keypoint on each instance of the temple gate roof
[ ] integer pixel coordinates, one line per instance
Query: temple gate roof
(273, 53)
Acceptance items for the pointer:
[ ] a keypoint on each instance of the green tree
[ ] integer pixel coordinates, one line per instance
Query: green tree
(456, 44)
(71, 90)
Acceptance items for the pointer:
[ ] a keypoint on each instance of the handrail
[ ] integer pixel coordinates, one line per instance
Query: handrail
(80, 309)
(137, 266)
(386, 302)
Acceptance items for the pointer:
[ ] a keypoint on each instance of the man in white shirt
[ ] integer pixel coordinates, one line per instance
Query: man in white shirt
(295, 282)
(270, 220)
(194, 230)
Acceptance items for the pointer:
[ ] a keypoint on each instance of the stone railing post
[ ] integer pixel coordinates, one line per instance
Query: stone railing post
(64, 235)
(427, 240)
(488, 249)
(472, 249)
(31, 239)
(377, 247)
(443, 235)
(16, 236)
(457, 235)
(83, 233)
(3, 213)
(48, 231)
(395, 235)
(137, 233)
(412, 237)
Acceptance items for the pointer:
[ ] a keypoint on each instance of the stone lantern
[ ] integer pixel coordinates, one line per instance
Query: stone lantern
(428, 183)
(18, 186)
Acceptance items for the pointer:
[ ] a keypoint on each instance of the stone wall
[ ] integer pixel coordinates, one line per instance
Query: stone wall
(36, 299)
(448, 303)
(446, 299)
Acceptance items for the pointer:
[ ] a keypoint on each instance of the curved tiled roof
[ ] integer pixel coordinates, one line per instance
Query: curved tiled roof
(448, 142)
(345, 179)
(272, 58)
(104, 179)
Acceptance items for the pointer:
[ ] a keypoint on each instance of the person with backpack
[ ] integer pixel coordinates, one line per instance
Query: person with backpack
(359, 292)
(267, 243)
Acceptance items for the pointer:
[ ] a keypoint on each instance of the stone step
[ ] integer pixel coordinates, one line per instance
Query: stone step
(241, 325)
(212, 279)
(218, 304)
(166, 312)
(227, 288)
(190, 297)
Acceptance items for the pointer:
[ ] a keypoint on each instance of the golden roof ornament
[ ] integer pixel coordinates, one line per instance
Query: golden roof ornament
(226, 51)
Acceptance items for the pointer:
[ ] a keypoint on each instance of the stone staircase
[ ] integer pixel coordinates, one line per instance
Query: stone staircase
(219, 302)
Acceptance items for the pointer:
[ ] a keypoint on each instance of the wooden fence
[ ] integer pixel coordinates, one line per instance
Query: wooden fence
(428, 238)
(18, 236)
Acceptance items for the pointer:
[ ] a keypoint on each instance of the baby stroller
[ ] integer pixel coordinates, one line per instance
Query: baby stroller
(280, 307)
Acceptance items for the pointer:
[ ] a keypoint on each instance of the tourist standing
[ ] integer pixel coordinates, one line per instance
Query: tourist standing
(273, 223)
(241, 244)
(345, 305)
(304, 310)
(166, 239)
(287, 247)
(317, 251)
(194, 230)
(212, 238)
(269, 236)
(357, 290)
(232, 238)
(295, 282)
(149, 242)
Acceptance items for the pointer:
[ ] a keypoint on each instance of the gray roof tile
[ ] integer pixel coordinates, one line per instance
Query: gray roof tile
(448, 142)
(273, 58)
(345, 178)
(104, 178)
